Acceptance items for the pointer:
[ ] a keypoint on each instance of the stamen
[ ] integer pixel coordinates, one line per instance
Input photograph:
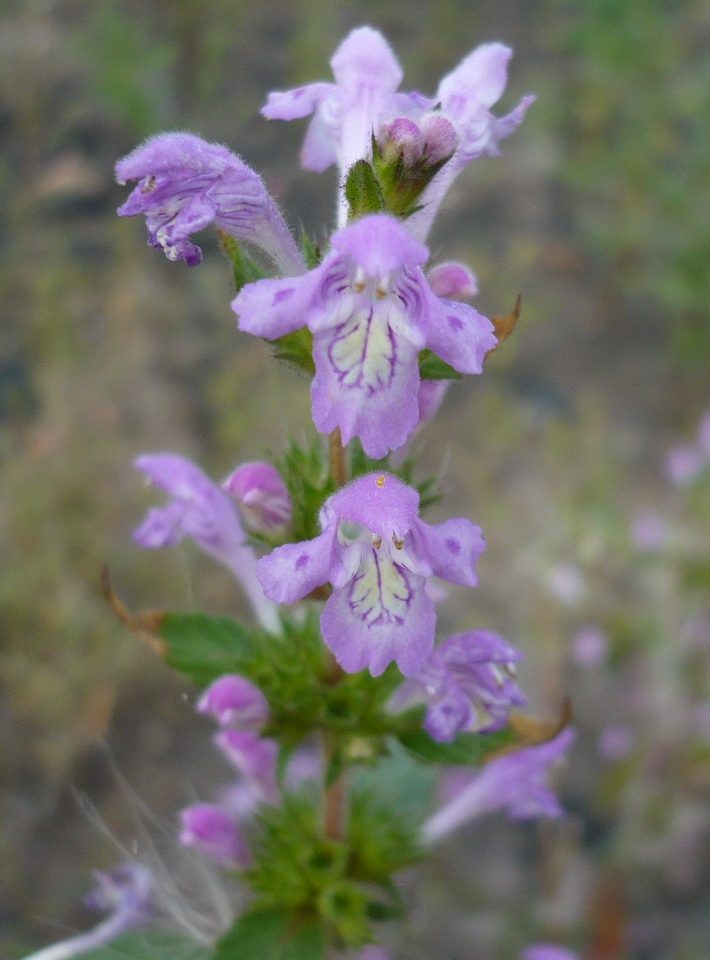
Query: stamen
(376, 542)
(380, 481)
(360, 281)
(511, 669)
(398, 543)
(498, 677)
(149, 186)
(383, 287)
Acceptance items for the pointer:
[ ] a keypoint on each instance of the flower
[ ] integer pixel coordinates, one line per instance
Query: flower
(199, 509)
(255, 758)
(235, 701)
(187, 184)
(547, 951)
(467, 685)
(211, 829)
(262, 496)
(364, 100)
(516, 781)
(126, 894)
(378, 555)
(371, 311)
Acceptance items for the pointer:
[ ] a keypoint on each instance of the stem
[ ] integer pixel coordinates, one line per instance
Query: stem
(336, 457)
(335, 799)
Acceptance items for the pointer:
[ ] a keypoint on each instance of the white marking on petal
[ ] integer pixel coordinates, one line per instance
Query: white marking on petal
(380, 592)
(363, 352)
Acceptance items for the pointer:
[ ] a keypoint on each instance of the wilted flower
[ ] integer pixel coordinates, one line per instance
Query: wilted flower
(516, 782)
(199, 509)
(467, 685)
(377, 554)
(371, 311)
(186, 184)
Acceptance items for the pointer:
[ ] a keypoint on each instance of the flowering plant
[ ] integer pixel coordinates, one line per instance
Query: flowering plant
(336, 705)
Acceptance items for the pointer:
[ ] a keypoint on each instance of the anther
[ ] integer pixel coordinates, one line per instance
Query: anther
(376, 542)
(381, 481)
(149, 186)
(398, 543)
(360, 281)
(382, 288)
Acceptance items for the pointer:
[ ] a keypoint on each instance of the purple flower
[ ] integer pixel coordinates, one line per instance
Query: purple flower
(371, 311)
(254, 758)
(211, 829)
(547, 951)
(516, 781)
(234, 701)
(590, 646)
(364, 100)
(453, 280)
(262, 495)
(467, 685)
(199, 509)
(187, 184)
(126, 894)
(378, 555)
(466, 96)
(347, 112)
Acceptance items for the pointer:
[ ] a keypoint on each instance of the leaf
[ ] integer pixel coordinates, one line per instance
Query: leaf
(271, 934)
(468, 749)
(151, 945)
(204, 647)
(432, 367)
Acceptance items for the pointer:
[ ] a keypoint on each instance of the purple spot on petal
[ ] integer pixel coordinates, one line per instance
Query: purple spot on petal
(302, 561)
(455, 323)
(282, 295)
(298, 93)
(453, 546)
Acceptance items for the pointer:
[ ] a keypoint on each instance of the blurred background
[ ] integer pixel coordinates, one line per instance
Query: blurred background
(581, 452)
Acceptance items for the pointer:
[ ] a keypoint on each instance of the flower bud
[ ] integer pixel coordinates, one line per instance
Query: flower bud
(453, 280)
(210, 829)
(235, 702)
(261, 495)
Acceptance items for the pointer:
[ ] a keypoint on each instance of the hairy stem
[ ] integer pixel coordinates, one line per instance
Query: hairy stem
(336, 457)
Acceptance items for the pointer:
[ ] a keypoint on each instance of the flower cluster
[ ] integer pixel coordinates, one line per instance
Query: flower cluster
(352, 677)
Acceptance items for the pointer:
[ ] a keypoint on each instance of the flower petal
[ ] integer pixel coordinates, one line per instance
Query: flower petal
(290, 572)
(452, 548)
(379, 501)
(295, 104)
(367, 379)
(382, 614)
(457, 333)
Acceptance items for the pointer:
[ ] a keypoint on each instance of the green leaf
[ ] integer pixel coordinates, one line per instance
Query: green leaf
(150, 945)
(204, 648)
(296, 348)
(306, 473)
(271, 934)
(311, 252)
(432, 367)
(468, 749)
(362, 191)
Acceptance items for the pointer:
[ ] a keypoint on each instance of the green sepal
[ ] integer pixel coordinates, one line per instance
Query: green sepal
(312, 253)
(346, 906)
(272, 934)
(244, 269)
(150, 945)
(468, 749)
(432, 367)
(362, 191)
(306, 473)
(297, 349)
